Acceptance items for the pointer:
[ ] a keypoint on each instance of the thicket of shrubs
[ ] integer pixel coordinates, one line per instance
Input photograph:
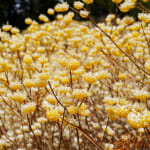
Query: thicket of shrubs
(69, 85)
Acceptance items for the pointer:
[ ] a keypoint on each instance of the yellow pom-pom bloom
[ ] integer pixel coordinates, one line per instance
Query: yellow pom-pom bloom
(27, 59)
(67, 19)
(63, 62)
(67, 101)
(28, 21)
(82, 106)
(19, 97)
(28, 83)
(43, 18)
(88, 1)
(6, 28)
(102, 75)
(89, 78)
(73, 64)
(29, 107)
(44, 76)
(78, 5)
(40, 83)
(84, 13)
(141, 95)
(80, 94)
(15, 30)
(63, 7)
(84, 113)
(43, 60)
(84, 49)
(122, 111)
(50, 11)
(51, 99)
(65, 80)
(41, 49)
(134, 120)
(72, 110)
(42, 120)
(52, 115)
(110, 100)
(15, 85)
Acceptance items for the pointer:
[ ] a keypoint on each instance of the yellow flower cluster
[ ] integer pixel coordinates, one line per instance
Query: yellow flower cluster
(64, 80)
(29, 107)
(80, 94)
(52, 115)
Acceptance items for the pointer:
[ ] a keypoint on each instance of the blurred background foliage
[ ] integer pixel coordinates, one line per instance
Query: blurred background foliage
(15, 11)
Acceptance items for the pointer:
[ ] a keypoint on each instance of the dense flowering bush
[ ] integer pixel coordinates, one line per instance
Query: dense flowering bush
(68, 85)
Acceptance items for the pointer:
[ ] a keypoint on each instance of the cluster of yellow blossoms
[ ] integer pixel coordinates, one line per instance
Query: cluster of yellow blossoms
(64, 82)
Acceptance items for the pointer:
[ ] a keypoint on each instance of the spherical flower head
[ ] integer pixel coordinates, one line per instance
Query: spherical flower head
(84, 113)
(122, 111)
(29, 107)
(6, 28)
(110, 17)
(63, 62)
(59, 17)
(15, 85)
(79, 71)
(84, 49)
(28, 21)
(72, 110)
(89, 78)
(140, 95)
(38, 132)
(78, 5)
(73, 64)
(68, 19)
(101, 75)
(51, 99)
(80, 94)
(84, 13)
(43, 60)
(88, 1)
(117, 1)
(50, 11)
(52, 115)
(28, 83)
(19, 97)
(124, 7)
(134, 120)
(63, 7)
(40, 83)
(41, 49)
(67, 101)
(109, 131)
(110, 100)
(27, 59)
(15, 30)
(42, 120)
(44, 76)
(43, 18)
(64, 80)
